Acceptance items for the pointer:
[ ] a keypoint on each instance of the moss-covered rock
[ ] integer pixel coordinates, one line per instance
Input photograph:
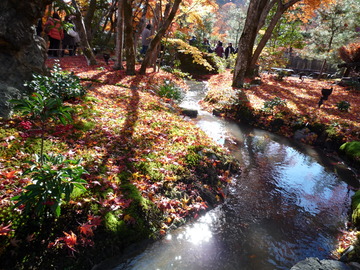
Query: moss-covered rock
(191, 59)
(355, 207)
(352, 151)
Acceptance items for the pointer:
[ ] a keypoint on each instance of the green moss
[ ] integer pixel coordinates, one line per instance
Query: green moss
(84, 125)
(77, 193)
(33, 146)
(192, 159)
(113, 223)
(136, 222)
(352, 149)
(352, 152)
(355, 206)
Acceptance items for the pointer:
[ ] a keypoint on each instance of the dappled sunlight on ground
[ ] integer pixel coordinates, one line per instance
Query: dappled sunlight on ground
(301, 98)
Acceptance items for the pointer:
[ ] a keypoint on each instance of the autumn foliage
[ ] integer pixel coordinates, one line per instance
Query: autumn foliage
(300, 112)
(148, 170)
(350, 53)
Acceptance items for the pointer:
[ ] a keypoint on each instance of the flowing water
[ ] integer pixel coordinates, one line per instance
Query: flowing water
(287, 204)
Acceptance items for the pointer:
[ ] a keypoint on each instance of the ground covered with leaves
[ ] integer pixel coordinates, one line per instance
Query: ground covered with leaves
(148, 170)
(290, 107)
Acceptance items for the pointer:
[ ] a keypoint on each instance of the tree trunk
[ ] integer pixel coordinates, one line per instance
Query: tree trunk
(141, 24)
(89, 17)
(129, 38)
(329, 48)
(22, 52)
(157, 39)
(119, 37)
(269, 30)
(84, 43)
(247, 40)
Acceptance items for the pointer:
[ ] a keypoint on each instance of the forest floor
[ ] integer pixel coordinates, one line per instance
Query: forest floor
(149, 168)
(290, 107)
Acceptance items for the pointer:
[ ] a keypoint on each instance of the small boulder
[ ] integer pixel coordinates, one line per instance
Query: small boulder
(316, 264)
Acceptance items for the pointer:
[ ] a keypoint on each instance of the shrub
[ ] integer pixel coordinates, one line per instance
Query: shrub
(272, 103)
(53, 179)
(40, 108)
(60, 84)
(343, 106)
(170, 90)
(189, 58)
(177, 72)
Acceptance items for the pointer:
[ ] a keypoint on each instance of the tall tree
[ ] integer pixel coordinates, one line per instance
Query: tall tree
(129, 37)
(256, 16)
(247, 40)
(119, 37)
(331, 28)
(84, 42)
(161, 32)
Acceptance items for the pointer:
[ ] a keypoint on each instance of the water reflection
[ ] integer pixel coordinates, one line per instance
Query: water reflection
(284, 207)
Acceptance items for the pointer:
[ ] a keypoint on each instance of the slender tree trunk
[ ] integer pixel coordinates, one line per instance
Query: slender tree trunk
(269, 30)
(129, 37)
(119, 37)
(88, 18)
(84, 42)
(141, 24)
(247, 40)
(329, 48)
(157, 39)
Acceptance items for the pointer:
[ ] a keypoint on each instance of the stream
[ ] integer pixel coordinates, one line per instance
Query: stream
(289, 203)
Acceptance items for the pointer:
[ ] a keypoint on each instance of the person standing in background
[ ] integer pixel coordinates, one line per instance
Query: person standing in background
(69, 39)
(145, 38)
(229, 50)
(219, 50)
(55, 32)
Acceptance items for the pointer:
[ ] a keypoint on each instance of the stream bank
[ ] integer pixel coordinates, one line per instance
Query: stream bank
(286, 205)
(289, 108)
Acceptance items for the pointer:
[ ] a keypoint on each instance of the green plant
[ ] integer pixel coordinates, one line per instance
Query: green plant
(60, 84)
(40, 108)
(274, 102)
(177, 72)
(170, 90)
(53, 178)
(343, 106)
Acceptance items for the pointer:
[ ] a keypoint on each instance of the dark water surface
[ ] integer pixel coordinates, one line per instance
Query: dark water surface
(288, 204)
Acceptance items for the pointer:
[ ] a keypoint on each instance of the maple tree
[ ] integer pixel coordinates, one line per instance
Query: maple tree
(169, 16)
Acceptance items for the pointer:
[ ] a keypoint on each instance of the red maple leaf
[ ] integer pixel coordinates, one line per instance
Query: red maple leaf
(94, 220)
(70, 240)
(9, 175)
(86, 229)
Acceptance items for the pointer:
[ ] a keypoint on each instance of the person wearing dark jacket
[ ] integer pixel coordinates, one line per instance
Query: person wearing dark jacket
(229, 50)
(69, 41)
(219, 50)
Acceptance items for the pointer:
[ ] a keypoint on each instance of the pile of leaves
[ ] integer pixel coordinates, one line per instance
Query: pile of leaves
(289, 106)
(146, 168)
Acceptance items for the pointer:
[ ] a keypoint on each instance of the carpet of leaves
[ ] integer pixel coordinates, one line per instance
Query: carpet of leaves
(125, 135)
(301, 104)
